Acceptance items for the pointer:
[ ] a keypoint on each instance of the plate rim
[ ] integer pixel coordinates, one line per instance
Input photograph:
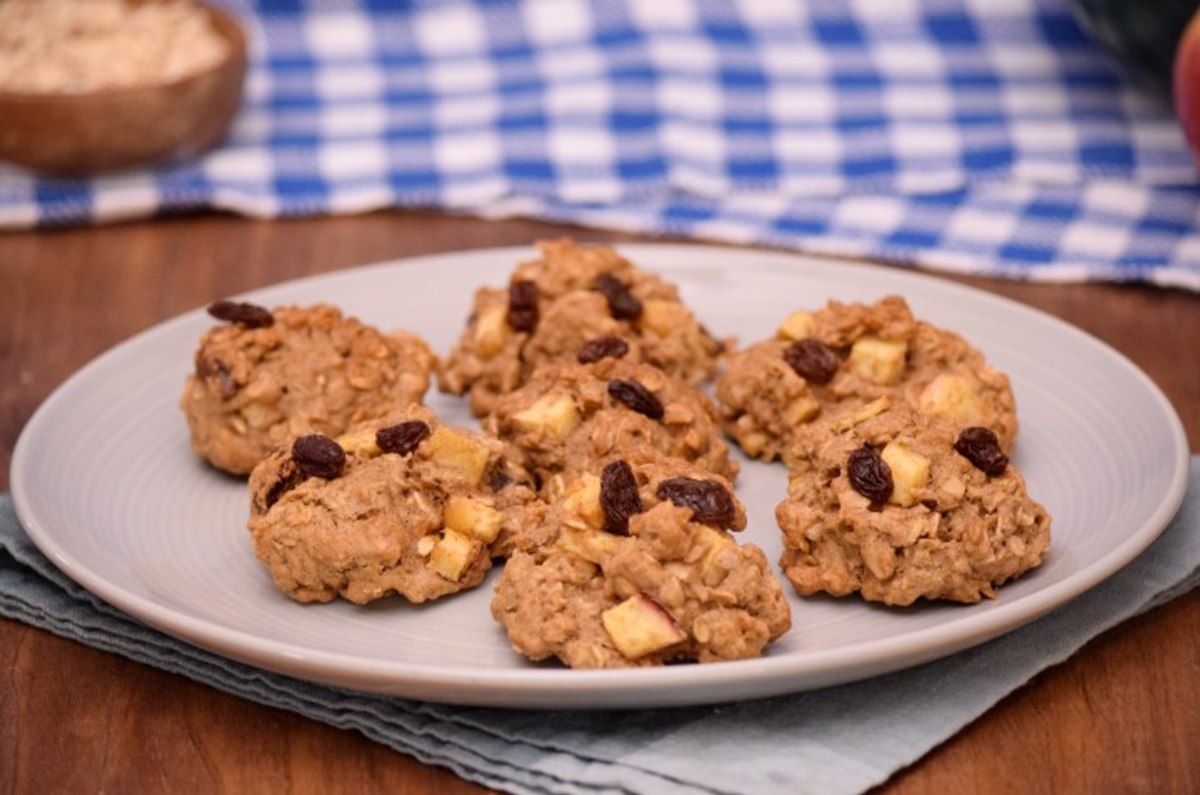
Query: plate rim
(554, 687)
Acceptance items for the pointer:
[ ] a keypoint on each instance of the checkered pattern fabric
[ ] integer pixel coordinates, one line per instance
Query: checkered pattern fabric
(990, 136)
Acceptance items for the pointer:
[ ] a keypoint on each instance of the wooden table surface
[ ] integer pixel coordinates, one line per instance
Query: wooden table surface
(1121, 716)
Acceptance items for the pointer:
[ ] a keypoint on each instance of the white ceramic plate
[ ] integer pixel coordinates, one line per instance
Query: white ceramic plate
(105, 482)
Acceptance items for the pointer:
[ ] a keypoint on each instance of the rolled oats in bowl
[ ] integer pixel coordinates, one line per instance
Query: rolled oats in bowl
(88, 86)
(78, 46)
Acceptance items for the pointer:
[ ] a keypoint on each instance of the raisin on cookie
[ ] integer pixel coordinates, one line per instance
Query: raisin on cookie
(833, 361)
(265, 377)
(570, 416)
(412, 507)
(642, 572)
(899, 506)
(647, 478)
(556, 305)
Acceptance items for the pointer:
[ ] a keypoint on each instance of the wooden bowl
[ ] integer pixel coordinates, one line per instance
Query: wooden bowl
(88, 132)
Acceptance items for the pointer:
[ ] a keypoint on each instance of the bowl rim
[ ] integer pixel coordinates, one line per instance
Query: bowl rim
(227, 26)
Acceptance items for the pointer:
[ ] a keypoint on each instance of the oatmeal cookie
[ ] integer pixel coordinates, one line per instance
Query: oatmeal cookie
(574, 501)
(413, 508)
(630, 583)
(899, 506)
(265, 377)
(556, 305)
(837, 359)
(570, 416)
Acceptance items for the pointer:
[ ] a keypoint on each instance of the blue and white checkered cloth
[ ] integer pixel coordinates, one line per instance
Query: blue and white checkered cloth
(987, 136)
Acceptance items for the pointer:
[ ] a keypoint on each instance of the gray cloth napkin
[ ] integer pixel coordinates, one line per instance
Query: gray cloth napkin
(838, 740)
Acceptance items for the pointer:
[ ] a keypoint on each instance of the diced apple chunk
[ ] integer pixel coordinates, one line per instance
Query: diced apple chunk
(454, 554)
(360, 443)
(910, 472)
(796, 326)
(801, 410)
(877, 360)
(678, 569)
(639, 626)
(583, 500)
(457, 450)
(593, 545)
(711, 569)
(491, 331)
(554, 414)
(258, 416)
(953, 397)
(753, 443)
(663, 317)
(472, 517)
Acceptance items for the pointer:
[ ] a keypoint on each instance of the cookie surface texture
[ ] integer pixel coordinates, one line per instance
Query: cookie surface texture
(668, 588)
(889, 508)
(311, 370)
(836, 360)
(556, 305)
(570, 416)
(416, 509)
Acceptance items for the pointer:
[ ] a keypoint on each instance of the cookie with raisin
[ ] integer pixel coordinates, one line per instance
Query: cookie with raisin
(569, 416)
(642, 570)
(835, 360)
(554, 310)
(574, 499)
(412, 507)
(266, 376)
(898, 506)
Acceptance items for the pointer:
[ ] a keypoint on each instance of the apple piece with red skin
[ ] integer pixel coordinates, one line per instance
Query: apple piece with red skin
(1186, 85)
(639, 626)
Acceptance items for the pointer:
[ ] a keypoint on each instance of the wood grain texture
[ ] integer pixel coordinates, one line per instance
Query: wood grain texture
(1121, 716)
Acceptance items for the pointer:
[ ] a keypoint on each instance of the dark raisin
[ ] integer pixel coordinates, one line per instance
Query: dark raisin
(812, 360)
(637, 397)
(289, 478)
(523, 306)
(245, 315)
(602, 348)
(622, 304)
(981, 447)
(619, 497)
(319, 456)
(497, 479)
(711, 503)
(870, 475)
(401, 439)
(216, 370)
(225, 383)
